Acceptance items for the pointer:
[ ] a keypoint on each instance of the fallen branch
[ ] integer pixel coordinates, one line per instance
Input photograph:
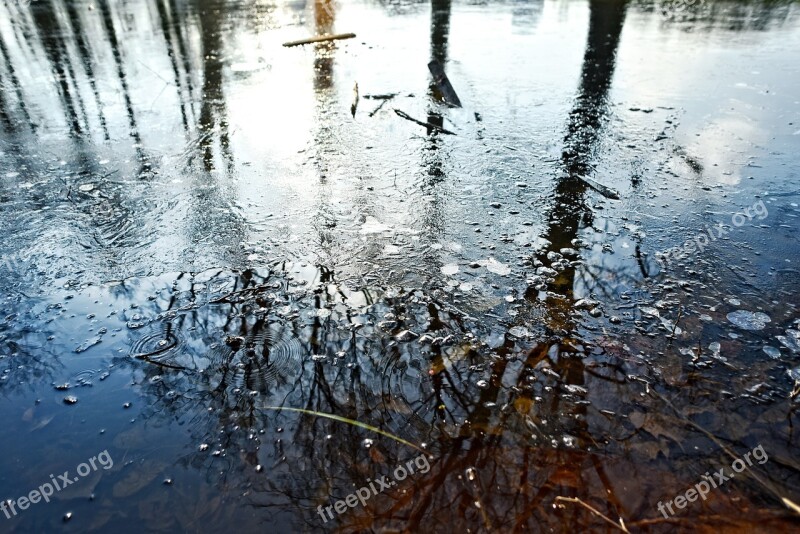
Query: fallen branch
(320, 39)
(408, 117)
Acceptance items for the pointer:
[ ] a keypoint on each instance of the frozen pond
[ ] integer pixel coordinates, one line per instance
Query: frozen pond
(247, 281)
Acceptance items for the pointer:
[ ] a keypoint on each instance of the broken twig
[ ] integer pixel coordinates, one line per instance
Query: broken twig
(320, 39)
(600, 188)
(354, 105)
(377, 109)
(384, 96)
(408, 117)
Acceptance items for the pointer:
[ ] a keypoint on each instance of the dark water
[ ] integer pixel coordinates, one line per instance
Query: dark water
(197, 232)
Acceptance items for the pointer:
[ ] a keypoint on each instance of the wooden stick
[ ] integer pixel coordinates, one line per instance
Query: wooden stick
(354, 105)
(320, 39)
(408, 117)
(374, 111)
(385, 96)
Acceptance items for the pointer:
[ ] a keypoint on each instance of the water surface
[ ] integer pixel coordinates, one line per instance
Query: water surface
(197, 230)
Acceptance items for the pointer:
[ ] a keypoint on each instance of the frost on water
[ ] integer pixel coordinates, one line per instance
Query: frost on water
(791, 340)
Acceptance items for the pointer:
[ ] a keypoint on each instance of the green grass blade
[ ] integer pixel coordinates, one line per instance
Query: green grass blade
(348, 421)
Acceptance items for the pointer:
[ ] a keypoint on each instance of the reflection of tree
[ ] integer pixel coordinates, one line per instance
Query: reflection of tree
(584, 127)
(6, 115)
(85, 54)
(119, 61)
(488, 415)
(324, 17)
(50, 34)
(693, 15)
(213, 112)
(175, 54)
(478, 451)
(27, 356)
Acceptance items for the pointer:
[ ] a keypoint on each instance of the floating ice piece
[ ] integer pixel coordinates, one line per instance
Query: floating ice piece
(450, 269)
(494, 266)
(406, 335)
(89, 343)
(791, 340)
(794, 374)
(519, 331)
(747, 320)
(672, 327)
(373, 226)
(585, 304)
(772, 352)
(650, 311)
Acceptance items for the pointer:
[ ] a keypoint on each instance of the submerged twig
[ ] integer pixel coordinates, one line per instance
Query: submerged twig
(764, 484)
(249, 292)
(791, 505)
(348, 421)
(621, 525)
(320, 39)
(160, 364)
(408, 117)
(677, 320)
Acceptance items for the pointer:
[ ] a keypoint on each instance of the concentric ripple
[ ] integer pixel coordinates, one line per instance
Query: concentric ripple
(159, 343)
(264, 360)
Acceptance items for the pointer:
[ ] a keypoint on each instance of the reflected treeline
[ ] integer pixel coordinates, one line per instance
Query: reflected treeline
(509, 423)
(507, 427)
(570, 212)
(709, 15)
(89, 58)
